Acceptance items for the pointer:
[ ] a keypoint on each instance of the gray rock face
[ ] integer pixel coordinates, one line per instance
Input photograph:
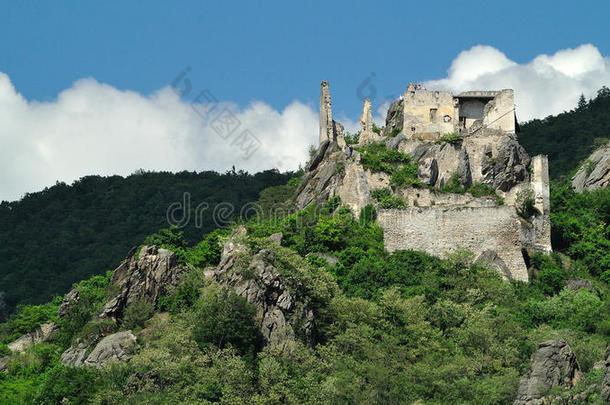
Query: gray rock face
(463, 169)
(277, 238)
(491, 258)
(279, 311)
(394, 118)
(605, 385)
(328, 258)
(75, 356)
(580, 284)
(40, 334)
(427, 171)
(117, 347)
(554, 364)
(595, 172)
(508, 167)
(72, 297)
(144, 279)
(322, 177)
(4, 363)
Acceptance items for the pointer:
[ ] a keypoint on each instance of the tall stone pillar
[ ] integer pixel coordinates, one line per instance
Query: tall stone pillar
(326, 115)
(542, 195)
(366, 123)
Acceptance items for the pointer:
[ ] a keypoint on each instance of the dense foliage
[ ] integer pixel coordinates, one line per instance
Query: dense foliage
(65, 233)
(568, 138)
(395, 327)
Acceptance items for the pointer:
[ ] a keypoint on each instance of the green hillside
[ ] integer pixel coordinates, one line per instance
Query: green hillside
(65, 233)
(570, 137)
(392, 328)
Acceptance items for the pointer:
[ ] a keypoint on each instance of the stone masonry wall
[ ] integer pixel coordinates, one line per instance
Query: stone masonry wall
(442, 230)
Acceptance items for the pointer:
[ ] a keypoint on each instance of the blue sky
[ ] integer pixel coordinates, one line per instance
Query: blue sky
(276, 51)
(84, 88)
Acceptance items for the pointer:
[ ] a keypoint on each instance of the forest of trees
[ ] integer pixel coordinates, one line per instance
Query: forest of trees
(65, 233)
(570, 137)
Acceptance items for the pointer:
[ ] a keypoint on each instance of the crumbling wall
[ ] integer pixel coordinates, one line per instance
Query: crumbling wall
(499, 113)
(419, 119)
(442, 230)
(326, 114)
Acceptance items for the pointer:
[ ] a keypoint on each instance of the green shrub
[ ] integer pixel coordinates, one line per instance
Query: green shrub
(376, 129)
(225, 319)
(376, 157)
(4, 350)
(393, 132)
(550, 277)
(136, 314)
(406, 176)
(386, 199)
(171, 238)
(184, 295)
(207, 252)
(453, 138)
(351, 139)
(368, 215)
(454, 185)
(525, 204)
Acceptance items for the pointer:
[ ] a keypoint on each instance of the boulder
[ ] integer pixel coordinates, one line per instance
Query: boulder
(75, 355)
(594, 172)
(394, 118)
(117, 347)
(553, 365)
(605, 385)
(40, 334)
(279, 312)
(331, 260)
(508, 167)
(463, 169)
(277, 238)
(72, 297)
(143, 279)
(577, 284)
(491, 258)
(427, 171)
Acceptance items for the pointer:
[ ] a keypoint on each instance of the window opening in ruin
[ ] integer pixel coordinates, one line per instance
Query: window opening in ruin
(433, 114)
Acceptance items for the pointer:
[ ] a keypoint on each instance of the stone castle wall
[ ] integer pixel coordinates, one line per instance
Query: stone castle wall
(442, 230)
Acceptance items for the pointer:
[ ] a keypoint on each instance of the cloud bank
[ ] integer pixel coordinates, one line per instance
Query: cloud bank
(94, 128)
(549, 84)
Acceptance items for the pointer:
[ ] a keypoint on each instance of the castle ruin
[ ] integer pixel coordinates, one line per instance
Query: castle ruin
(470, 137)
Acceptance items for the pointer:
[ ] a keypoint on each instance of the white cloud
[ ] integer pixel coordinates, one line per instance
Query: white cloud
(93, 128)
(549, 84)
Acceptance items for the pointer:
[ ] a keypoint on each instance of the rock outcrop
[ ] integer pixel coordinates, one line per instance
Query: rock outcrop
(605, 385)
(40, 334)
(281, 315)
(595, 172)
(118, 347)
(394, 118)
(553, 365)
(142, 278)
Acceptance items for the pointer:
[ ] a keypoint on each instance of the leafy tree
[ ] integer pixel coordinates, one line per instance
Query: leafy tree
(225, 319)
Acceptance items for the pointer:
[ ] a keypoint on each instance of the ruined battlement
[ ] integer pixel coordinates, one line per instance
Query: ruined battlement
(483, 150)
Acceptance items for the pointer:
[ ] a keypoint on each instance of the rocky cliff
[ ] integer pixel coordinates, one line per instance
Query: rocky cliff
(594, 172)
(447, 173)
